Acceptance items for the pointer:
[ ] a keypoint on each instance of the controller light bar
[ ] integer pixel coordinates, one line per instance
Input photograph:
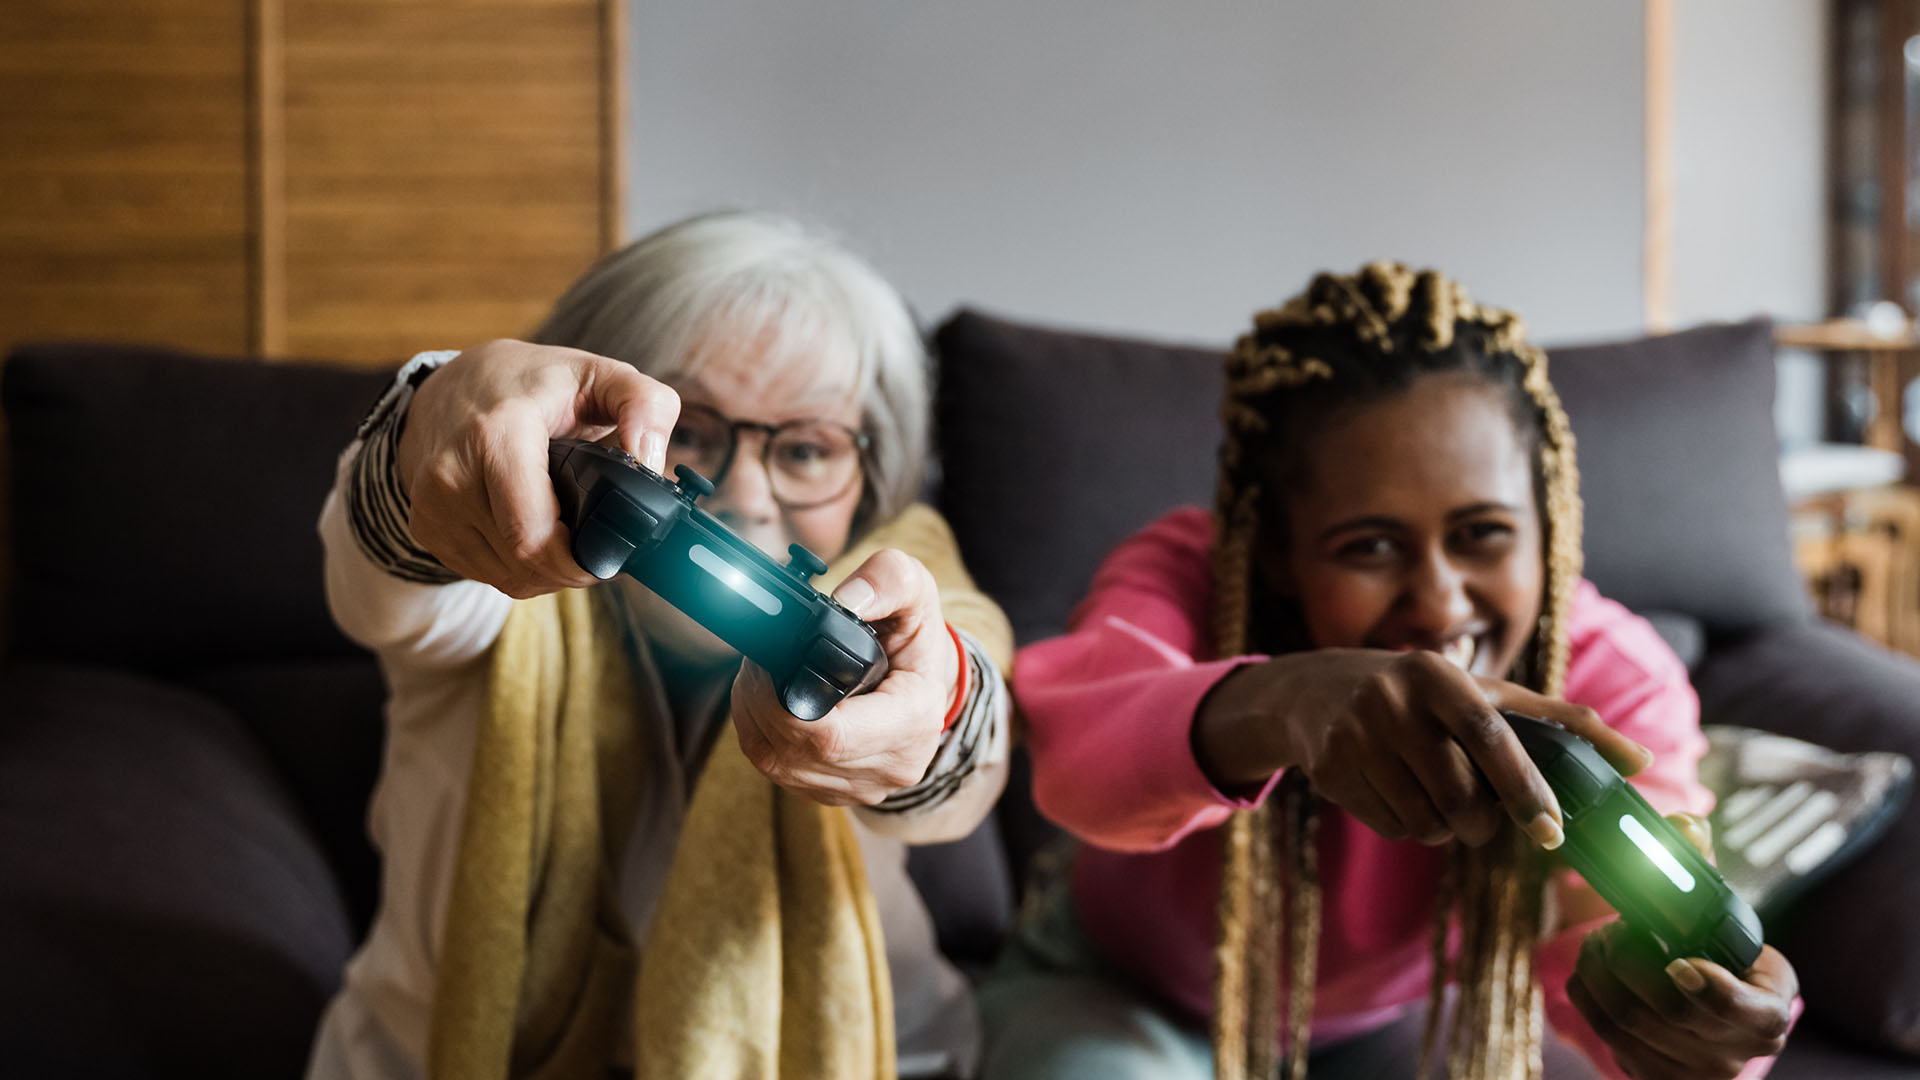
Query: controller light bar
(1657, 854)
(733, 579)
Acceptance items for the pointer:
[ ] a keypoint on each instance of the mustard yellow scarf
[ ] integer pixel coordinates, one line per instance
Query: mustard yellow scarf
(764, 958)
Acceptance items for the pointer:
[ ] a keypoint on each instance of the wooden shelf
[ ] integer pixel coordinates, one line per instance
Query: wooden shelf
(1843, 335)
(1859, 552)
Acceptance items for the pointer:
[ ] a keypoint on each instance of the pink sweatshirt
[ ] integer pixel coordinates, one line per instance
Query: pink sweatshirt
(1109, 708)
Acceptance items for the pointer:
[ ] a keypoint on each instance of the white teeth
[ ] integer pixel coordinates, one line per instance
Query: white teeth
(1460, 651)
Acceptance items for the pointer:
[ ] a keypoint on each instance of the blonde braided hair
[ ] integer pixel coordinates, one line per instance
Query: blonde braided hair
(1350, 338)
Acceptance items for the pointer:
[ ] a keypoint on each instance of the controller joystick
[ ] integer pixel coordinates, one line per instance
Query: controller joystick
(625, 518)
(804, 564)
(691, 482)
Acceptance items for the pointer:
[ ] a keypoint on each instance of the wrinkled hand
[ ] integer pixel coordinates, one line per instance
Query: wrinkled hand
(473, 455)
(873, 744)
(1405, 742)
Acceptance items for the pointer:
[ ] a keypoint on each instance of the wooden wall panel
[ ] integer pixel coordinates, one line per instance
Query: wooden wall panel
(124, 171)
(446, 168)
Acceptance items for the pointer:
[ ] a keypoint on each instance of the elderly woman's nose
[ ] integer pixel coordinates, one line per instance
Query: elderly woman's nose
(747, 490)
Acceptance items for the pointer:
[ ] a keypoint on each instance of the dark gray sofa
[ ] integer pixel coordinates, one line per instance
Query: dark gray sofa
(186, 744)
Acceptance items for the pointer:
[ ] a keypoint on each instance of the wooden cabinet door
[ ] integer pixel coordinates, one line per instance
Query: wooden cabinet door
(349, 180)
(446, 168)
(124, 172)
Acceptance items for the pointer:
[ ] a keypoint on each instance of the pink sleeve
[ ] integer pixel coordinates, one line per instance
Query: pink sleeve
(1623, 670)
(1109, 706)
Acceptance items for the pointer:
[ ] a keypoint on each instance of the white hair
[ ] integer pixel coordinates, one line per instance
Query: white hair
(661, 301)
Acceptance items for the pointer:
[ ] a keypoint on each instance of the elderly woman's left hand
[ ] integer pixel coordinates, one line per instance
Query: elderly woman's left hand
(876, 743)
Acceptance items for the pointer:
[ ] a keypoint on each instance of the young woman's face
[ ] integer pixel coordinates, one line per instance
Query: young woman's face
(1412, 525)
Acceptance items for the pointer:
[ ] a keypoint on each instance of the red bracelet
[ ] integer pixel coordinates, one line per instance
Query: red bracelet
(960, 686)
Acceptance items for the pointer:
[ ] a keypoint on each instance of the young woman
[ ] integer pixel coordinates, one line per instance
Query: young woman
(1394, 554)
(582, 872)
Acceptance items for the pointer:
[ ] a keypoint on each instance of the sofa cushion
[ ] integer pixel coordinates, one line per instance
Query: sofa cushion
(1679, 472)
(163, 911)
(1854, 939)
(1056, 446)
(321, 725)
(163, 505)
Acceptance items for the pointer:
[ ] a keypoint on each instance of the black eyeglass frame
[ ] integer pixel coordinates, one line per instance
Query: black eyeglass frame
(861, 444)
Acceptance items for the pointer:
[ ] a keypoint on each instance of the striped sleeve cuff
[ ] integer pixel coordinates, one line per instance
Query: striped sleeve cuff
(378, 509)
(977, 738)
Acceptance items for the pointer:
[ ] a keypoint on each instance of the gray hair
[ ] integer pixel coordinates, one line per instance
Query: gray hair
(657, 303)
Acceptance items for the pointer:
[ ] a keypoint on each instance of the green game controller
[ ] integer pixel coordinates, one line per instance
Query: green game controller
(1635, 858)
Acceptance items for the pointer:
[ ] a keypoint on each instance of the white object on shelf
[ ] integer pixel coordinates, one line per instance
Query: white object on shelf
(1820, 468)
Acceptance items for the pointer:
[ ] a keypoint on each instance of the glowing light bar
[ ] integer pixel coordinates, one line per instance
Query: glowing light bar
(1656, 852)
(734, 579)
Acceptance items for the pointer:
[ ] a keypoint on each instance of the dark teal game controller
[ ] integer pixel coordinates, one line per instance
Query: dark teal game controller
(625, 518)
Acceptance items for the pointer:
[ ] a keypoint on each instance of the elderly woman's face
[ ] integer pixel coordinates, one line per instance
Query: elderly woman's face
(761, 496)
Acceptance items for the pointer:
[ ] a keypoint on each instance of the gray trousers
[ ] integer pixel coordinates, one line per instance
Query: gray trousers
(1053, 1009)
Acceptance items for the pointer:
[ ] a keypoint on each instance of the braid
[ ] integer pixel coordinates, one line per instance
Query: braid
(1355, 337)
(1236, 1027)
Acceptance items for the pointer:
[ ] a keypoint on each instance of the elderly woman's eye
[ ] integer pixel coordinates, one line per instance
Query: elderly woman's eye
(804, 455)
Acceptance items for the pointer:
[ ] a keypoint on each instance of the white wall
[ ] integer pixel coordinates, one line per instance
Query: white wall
(1749, 175)
(1164, 168)
(1749, 159)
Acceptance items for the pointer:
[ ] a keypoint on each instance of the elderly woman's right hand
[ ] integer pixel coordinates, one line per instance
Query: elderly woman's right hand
(473, 455)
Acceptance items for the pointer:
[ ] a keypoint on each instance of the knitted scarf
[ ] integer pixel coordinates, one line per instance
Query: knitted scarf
(764, 957)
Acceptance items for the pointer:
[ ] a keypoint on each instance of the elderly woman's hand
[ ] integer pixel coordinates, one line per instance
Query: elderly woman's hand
(876, 743)
(473, 455)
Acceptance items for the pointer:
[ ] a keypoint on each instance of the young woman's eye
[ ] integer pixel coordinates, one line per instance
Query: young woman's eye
(1482, 533)
(1367, 549)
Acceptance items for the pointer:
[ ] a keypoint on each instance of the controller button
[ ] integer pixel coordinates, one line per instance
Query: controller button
(600, 549)
(808, 696)
(834, 662)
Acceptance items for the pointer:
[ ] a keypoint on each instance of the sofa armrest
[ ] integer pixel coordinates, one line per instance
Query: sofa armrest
(163, 910)
(1855, 940)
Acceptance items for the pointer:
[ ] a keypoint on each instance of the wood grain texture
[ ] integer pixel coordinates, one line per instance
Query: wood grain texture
(351, 179)
(267, 188)
(446, 169)
(123, 185)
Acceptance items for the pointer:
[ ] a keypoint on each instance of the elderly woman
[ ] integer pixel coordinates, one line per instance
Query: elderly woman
(581, 874)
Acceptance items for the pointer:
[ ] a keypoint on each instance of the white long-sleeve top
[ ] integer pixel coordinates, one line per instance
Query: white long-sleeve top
(433, 634)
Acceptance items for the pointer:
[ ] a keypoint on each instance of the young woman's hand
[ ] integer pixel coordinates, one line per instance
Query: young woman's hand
(1688, 1020)
(473, 455)
(1407, 743)
(1691, 1018)
(873, 744)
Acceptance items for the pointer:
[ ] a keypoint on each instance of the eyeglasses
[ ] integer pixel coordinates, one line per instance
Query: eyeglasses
(808, 462)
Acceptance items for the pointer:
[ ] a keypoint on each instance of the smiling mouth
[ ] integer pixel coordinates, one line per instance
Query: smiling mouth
(1464, 651)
